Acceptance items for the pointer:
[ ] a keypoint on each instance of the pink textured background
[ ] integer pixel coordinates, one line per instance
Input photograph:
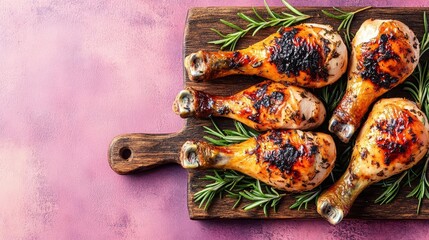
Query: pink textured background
(73, 74)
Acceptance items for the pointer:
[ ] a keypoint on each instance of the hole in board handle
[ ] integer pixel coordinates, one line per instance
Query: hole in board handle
(125, 153)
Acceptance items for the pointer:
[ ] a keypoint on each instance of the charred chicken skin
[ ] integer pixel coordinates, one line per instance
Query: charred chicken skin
(393, 139)
(308, 55)
(267, 105)
(384, 54)
(290, 160)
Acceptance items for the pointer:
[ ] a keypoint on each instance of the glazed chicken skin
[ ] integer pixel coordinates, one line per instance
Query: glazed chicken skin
(393, 139)
(290, 160)
(307, 55)
(267, 105)
(384, 54)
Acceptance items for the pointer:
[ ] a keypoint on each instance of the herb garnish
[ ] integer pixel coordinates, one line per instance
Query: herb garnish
(347, 19)
(333, 93)
(257, 23)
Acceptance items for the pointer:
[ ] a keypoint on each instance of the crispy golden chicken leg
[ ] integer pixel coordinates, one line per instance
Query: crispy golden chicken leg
(385, 53)
(267, 105)
(393, 139)
(308, 55)
(290, 160)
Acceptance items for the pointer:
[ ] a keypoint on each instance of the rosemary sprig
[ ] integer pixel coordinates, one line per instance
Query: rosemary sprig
(259, 198)
(394, 184)
(257, 23)
(227, 137)
(224, 181)
(392, 189)
(246, 183)
(421, 190)
(424, 43)
(333, 93)
(347, 19)
(304, 198)
(342, 161)
(418, 89)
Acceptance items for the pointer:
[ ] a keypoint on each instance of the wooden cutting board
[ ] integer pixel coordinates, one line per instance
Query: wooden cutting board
(132, 153)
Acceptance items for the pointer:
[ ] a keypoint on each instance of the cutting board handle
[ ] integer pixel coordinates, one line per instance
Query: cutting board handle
(138, 151)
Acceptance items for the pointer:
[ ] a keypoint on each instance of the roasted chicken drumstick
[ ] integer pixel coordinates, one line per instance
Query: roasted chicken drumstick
(290, 160)
(384, 54)
(267, 105)
(393, 139)
(308, 55)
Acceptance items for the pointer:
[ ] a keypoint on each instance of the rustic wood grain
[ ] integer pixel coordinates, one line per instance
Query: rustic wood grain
(130, 153)
(153, 150)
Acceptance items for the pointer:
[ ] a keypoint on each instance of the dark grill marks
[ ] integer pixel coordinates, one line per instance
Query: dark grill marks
(277, 96)
(205, 104)
(293, 54)
(224, 110)
(276, 137)
(391, 149)
(364, 153)
(267, 100)
(326, 48)
(314, 150)
(239, 60)
(276, 150)
(254, 117)
(371, 60)
(283, 158)
(396, 136)
(261, 98)
(393, 126)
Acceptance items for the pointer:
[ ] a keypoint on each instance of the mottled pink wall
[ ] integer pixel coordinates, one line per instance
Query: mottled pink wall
(73, 74)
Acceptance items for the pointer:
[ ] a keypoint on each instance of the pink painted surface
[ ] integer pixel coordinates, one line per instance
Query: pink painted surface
(73, 74)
